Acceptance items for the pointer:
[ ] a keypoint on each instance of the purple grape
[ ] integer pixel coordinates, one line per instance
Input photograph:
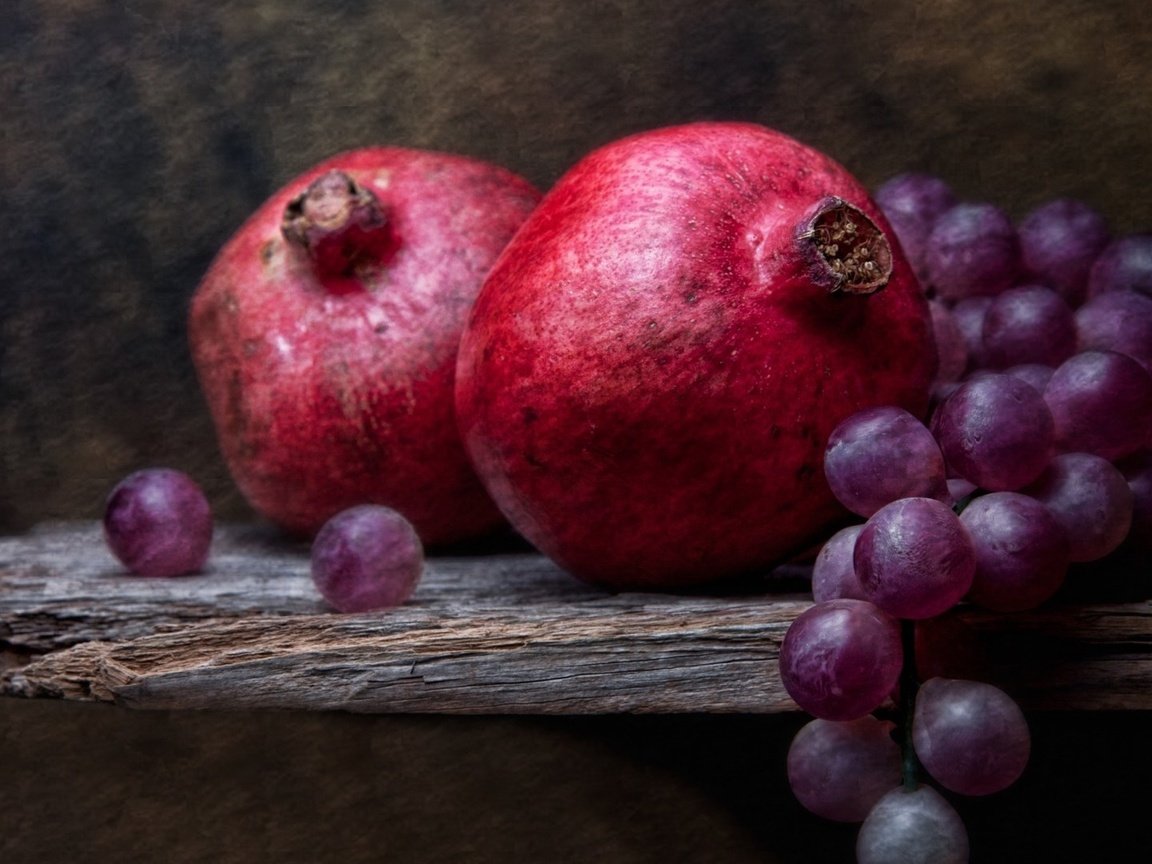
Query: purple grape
(1090, 499)
(959, 488)
(973, 249)
(879, 455)
(366, 557)
(157, 522)
(914, 558)
(841, 660)
(833, 573)
(1021, 551)
(1059, 241)
(1035, 374)
(1117, 321)
(912, 827)
(951, 344)
(1101, 402)
(1137, 470)
(840, 769)
(971, 737)
(969, 317)
(1028, 324)
(1125, 264)
(912, 202)
(995, 431)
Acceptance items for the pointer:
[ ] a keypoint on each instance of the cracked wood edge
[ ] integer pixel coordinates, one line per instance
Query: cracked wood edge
(500, 634)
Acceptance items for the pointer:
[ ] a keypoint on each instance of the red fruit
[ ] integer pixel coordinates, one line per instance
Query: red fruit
(325, 337)
(653, 367)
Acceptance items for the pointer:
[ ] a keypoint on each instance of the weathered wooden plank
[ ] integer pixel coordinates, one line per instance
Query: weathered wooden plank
(486, 634)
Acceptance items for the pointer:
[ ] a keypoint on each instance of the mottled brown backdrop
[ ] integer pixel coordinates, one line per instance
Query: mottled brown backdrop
(135, 135)
(138, 134)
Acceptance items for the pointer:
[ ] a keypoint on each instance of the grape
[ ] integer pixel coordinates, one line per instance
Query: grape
(840, 769)
(879, 455)
(1101, 402)
(1090, 499)
(157, 522)
(1028, 324)
(969, 736)
(833, 573)
(912, 827)
(1036, 374)
(969, 317)
(1137, 470)
(366, 557)
(914, 558)
(912, 203)
(1117, 321)
(1059, 241)
(1125, 264)
(959, 488)
(841, 660)
(1021, 551)
(951, 344)
(973, 249)
(995, 431)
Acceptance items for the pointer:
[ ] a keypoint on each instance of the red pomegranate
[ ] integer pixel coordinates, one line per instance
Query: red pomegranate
(325, 332)
(653, 366)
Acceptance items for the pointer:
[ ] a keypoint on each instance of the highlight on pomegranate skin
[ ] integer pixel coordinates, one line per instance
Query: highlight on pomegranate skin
(158, 523)
(365, 558)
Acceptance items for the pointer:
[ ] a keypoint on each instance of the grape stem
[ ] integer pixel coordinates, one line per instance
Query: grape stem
(909, 683)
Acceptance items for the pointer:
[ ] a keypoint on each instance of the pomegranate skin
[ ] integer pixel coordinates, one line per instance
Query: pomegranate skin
(653, 366)
(329, 369)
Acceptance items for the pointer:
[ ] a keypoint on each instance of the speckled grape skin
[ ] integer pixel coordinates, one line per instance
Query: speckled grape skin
(833, 571)
(1027, 324)
(841, 660)
(973, 249)
(1022, 552)
(913, 202)
(654, 365)
(995, 431)
(366, 557)
(1059, 240)
(158, 523)
(1125, 264)
(914, 558)
(951, 344)
(971, 737)
(1101, 402)
(1090, 499)
(322, 399)
(1117, 321)
(912, 827)
(879, 455)
(839, 770)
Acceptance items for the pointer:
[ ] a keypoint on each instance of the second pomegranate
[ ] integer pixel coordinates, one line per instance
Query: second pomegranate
(653, 366)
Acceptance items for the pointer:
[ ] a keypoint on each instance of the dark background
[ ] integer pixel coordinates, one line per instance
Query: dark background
(136, 135)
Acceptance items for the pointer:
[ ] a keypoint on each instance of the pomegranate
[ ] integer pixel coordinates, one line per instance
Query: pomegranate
(654, 365)
(325, 332)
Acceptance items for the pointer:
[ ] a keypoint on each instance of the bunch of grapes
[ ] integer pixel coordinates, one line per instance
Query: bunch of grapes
(1037, 456)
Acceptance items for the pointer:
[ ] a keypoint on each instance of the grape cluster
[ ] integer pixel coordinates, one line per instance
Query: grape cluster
(1037, 456)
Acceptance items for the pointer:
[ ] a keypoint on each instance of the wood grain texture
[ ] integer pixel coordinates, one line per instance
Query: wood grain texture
(494, 634)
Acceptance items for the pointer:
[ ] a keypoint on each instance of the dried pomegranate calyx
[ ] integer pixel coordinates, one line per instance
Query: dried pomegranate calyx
(339, 223)
(850, 247)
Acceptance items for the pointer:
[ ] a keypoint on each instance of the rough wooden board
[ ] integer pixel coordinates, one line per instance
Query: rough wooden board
(487, 634)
